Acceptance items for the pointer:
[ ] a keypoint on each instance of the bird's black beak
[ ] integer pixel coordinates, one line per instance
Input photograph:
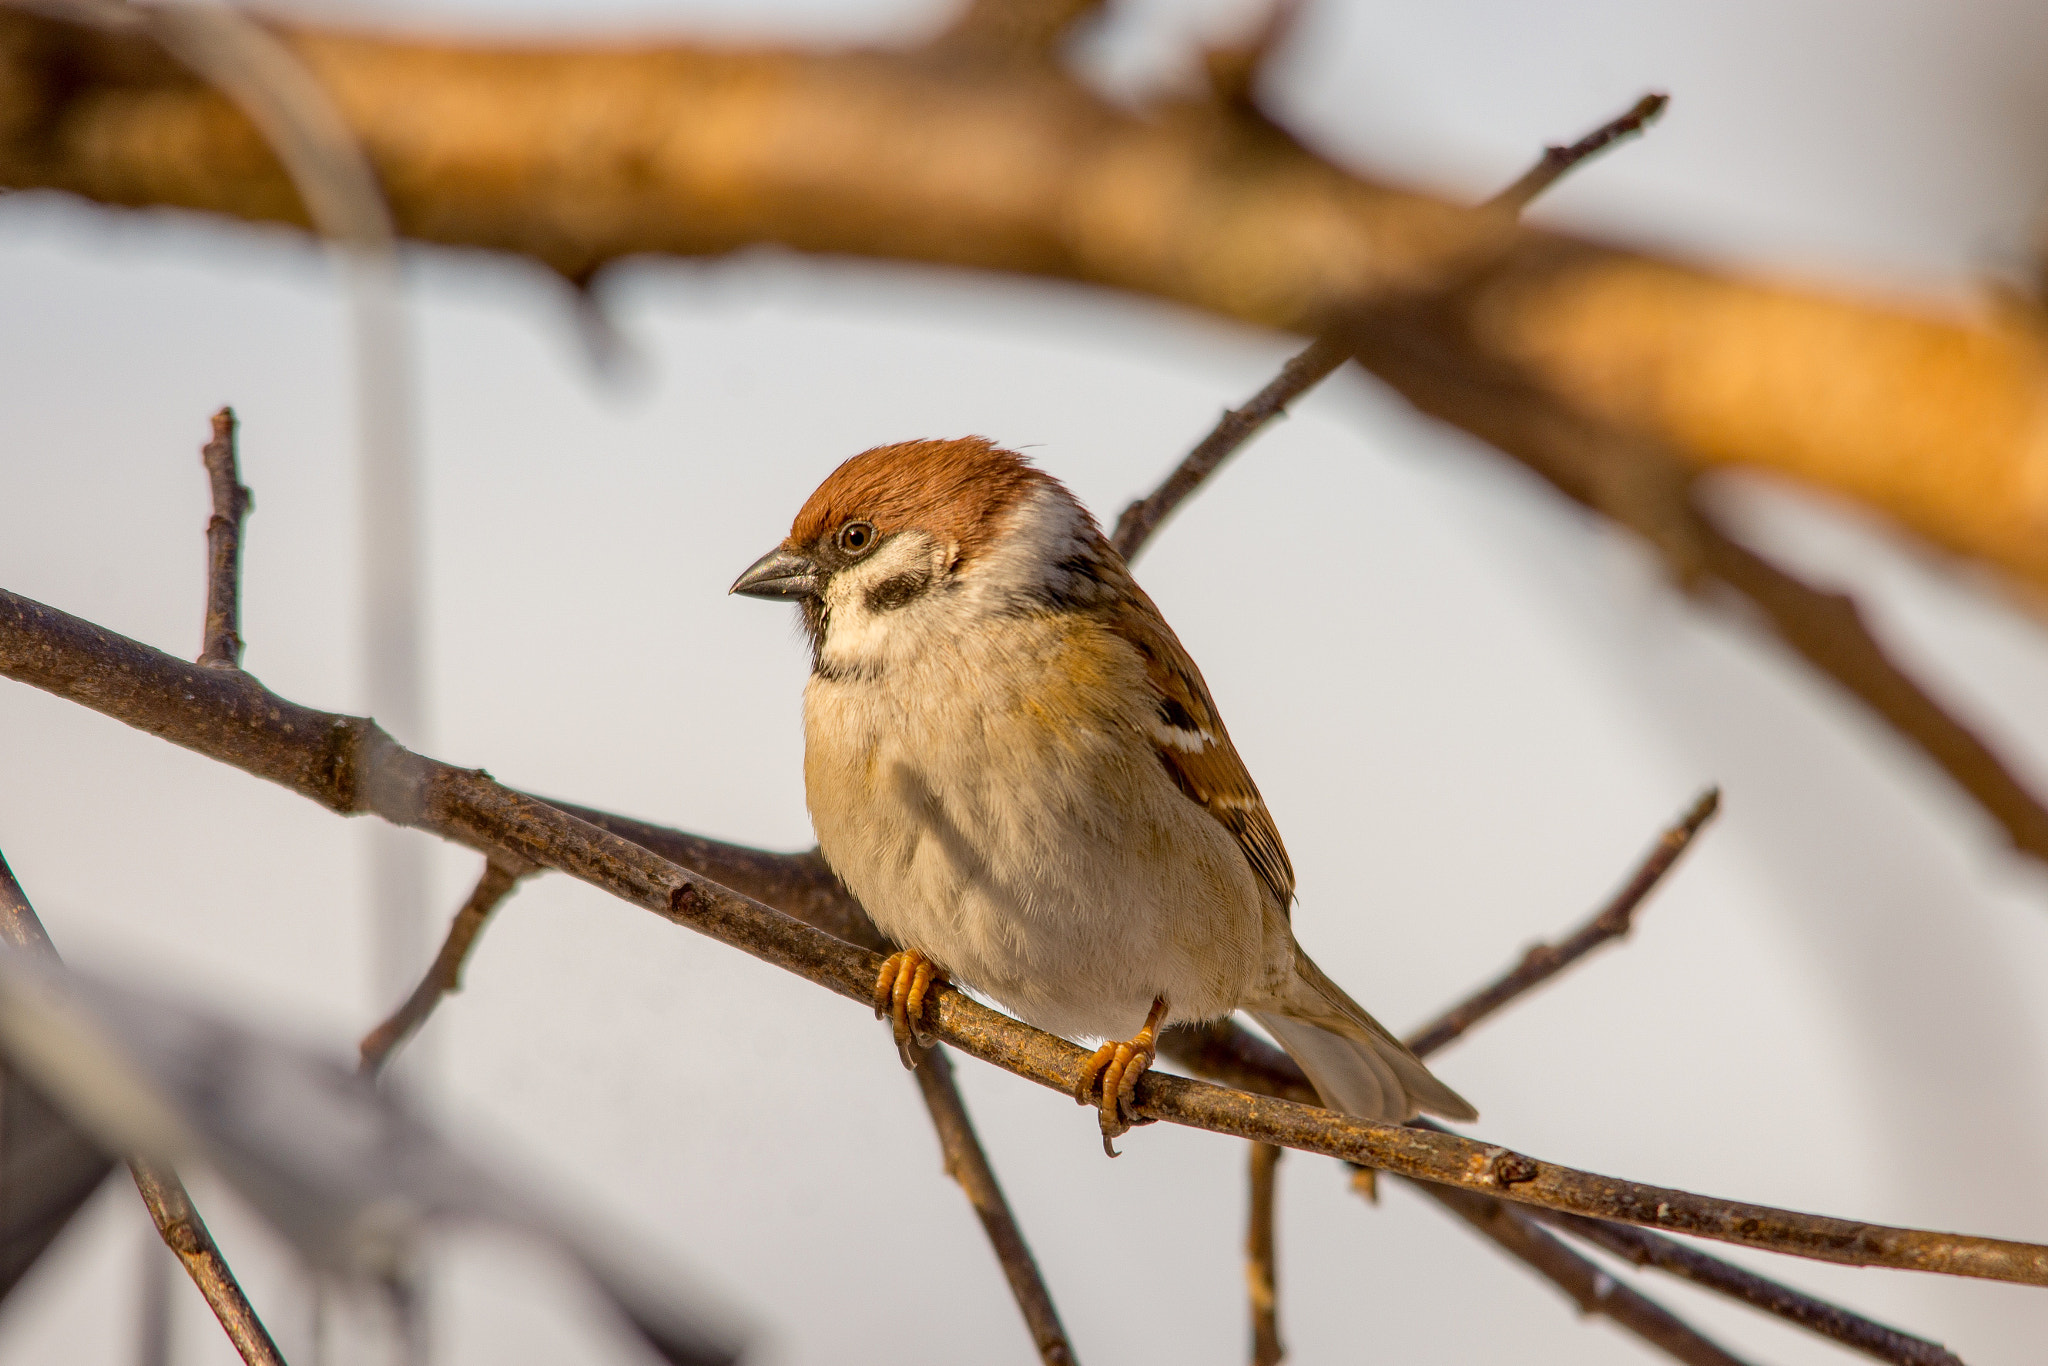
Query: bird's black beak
(779, 574)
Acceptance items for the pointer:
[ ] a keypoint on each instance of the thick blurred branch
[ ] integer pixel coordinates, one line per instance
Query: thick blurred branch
(351, 766)
(162, 1192)
(583, 155)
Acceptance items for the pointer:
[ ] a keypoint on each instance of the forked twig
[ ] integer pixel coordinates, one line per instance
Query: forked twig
(967, 1164)
(499, 877)
(1645, 1248)
(1595, 1292)
(1545, 961)
(1311, 366)
(170, 1207)
(221, 646)
(1261, 1264)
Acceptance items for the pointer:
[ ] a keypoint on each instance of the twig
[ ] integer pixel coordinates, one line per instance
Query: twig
(1261, 1266)
(187, 1235)
(350, 765)
(1545, 961)
(967, 1164)
(162, 1192)
(1557, 161)
(1592, 1289)
(445, 976)
(1644, 1248)
(1301, 373)
(222, 645)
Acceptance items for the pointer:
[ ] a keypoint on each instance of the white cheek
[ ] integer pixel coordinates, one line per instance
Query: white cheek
(855, 634)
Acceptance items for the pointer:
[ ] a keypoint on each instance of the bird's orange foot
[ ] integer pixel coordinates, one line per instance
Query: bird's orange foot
(901, 987)
(1109, 1080)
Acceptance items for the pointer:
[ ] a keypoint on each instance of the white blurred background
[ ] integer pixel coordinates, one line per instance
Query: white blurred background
(1836, 1005)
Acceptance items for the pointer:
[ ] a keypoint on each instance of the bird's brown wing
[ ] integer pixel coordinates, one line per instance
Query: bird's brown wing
(1195, 748)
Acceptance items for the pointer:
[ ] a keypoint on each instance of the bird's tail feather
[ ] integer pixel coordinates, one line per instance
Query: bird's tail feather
(1364, 1072)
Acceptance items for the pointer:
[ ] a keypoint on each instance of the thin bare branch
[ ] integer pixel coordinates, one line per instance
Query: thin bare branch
(1645, 1248)
(187, 1235)
(162, 1192)
(967, 1164)
(1593, 1290)
(1545, 961)
(445, 975)
(232, 503)
(350, 765)
(1828, 630)
(1321, 358)
(1557, 162)
(1261, 1265)
(1301, 373)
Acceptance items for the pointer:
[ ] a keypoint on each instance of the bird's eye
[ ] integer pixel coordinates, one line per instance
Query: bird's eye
(856, 538)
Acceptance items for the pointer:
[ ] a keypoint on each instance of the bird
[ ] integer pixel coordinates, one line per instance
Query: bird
(1014, 765)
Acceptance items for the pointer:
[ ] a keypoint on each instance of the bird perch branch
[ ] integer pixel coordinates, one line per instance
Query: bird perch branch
(349, 765)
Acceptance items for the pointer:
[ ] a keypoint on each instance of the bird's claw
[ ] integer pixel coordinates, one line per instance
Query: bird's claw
(1109, 1080)
(901, 989)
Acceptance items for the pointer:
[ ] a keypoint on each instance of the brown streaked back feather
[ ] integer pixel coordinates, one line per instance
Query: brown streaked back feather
(1196, 749)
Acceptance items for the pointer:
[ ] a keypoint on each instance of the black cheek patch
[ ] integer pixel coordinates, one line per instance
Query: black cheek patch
(890, 594)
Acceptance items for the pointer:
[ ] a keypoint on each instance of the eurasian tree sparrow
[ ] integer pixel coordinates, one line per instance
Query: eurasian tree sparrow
(1014, 765)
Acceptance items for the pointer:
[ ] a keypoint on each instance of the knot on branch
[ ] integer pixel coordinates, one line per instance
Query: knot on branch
(1504, 1168)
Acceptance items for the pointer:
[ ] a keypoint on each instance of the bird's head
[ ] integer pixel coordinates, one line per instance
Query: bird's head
(905, 544)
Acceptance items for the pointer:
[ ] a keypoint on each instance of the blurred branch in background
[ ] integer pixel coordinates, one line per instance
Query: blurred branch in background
(343, 1171)
(337, 191)
(59, 1154)
(1925, 417)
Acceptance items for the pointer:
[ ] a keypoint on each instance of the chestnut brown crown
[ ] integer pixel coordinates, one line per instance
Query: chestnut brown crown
(957, 491)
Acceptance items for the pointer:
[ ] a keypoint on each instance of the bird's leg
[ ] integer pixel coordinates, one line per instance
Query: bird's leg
(901, 986)
(1116, 1067)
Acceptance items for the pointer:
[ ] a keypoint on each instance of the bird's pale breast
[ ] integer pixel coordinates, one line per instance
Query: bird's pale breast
(998, 805)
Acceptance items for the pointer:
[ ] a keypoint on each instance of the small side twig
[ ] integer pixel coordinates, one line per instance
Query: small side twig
(445, 976)
(1301, 373)
(1545, 961)
(170, 1207)
(1556, 162)
(1261, 1269)
(222, 642)
(967, 1164)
